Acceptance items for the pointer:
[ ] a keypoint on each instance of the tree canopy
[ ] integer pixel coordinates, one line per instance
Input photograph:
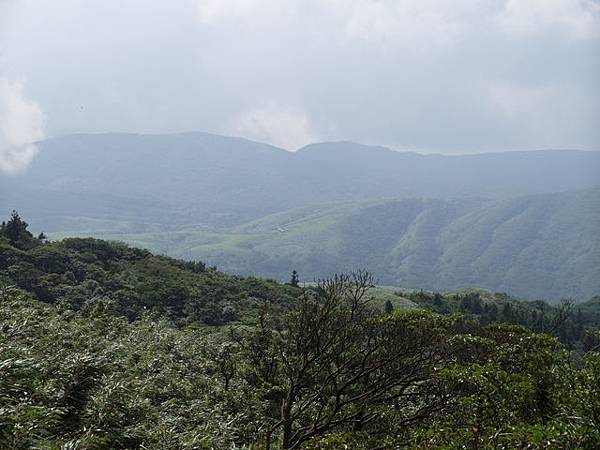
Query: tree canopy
(104, 346)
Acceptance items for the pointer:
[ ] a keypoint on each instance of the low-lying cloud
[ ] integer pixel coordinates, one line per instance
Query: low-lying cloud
(278, 125)
(577, 19)
(21, 126)
(443, 76)
(429, 21)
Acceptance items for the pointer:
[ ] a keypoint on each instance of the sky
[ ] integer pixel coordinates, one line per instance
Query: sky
(443, 76)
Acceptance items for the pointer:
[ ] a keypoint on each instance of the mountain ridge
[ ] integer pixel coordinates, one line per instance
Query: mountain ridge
(198, 195)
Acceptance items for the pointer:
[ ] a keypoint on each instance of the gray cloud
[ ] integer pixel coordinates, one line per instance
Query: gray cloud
(429, 75)
(21, 119)
(21, 125)
(276, 124)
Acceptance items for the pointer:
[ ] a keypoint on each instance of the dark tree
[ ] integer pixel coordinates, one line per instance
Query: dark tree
(388, 307)
(15, 230)
(294, 280)
(333, 363)
(15, 227)
(507, 312)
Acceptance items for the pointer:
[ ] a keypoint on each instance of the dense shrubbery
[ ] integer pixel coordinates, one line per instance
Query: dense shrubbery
(573, 323)
(78, 273)
(102, 347)
(327, 375)
(93, 381)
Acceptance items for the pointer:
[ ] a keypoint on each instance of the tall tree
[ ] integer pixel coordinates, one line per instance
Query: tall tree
(294, 280)
(15, 230)
(388, 307)
(333, 363)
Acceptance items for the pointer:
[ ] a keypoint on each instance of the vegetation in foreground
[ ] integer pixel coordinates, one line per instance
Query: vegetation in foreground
(317, 368)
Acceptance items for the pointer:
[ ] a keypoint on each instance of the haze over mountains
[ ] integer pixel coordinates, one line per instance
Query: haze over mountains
(522, 222)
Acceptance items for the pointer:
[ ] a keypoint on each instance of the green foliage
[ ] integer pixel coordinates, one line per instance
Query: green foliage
(78, 274)
(388, 307)
(104, 346)
(335, 363)
(15, 233)
(410, 379)
(294, 279)
(566, 320)
(94, 381)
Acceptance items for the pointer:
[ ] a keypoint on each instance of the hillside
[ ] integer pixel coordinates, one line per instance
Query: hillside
(544, 246)
(503, 221)
(94, 275)
(110, 347)
(203, 180)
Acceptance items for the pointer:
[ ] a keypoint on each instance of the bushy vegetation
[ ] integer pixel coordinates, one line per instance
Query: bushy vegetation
(571, 322)
(82, 274)
(106, 347)
(329, 374)
(94, 381)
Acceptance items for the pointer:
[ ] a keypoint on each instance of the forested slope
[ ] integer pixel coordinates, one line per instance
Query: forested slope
(104, 346)
(544, 246)
(87, 274)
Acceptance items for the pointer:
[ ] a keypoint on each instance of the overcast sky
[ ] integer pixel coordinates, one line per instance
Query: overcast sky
(447, 76)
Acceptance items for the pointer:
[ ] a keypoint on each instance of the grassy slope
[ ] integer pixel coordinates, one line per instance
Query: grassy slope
(544, 246)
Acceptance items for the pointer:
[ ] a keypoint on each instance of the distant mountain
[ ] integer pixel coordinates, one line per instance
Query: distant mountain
(522, 222)
(207, 180)
(376, 172)
(166, 179)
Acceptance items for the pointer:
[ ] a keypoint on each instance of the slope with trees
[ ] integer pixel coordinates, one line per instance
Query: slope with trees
(331, 207)
(104, 346)
(544, 246)
(89, 274)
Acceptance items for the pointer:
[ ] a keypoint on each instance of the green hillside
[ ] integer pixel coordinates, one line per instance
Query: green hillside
(87, 274)
(544, 246)
(204, 180)
(509, 222)
(91, 274)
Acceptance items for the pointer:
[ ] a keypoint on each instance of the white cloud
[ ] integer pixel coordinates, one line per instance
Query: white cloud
(21, 125)
(543, 113)
(393, 21)
(408, 22)
(375, 70)
(414, 23)
(211, 11)
(275, 124)
(519, 101)
(577, 18)
(438, 22)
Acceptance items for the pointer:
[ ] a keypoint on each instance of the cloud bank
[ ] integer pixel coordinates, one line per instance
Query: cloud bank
(579, 19)
(21, 125)
(277, 125)
(442, 76)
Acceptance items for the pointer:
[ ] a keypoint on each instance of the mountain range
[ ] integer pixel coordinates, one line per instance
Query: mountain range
(524, 222)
